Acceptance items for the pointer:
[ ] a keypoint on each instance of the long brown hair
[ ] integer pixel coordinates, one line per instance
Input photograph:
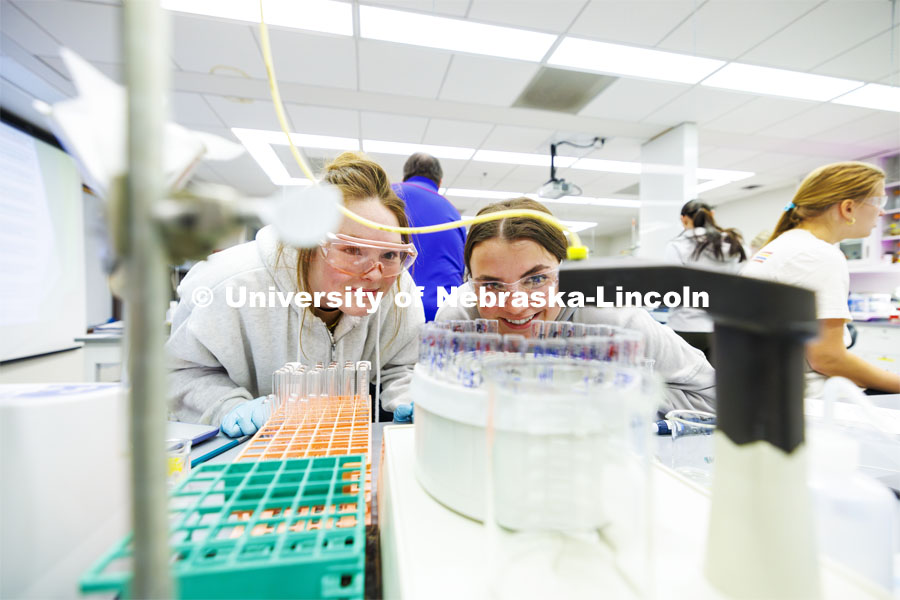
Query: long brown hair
(359, 179)
(701, 215)
(827, 186)
(512, 229)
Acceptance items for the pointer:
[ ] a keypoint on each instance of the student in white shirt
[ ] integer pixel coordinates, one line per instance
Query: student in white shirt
(706, 245)
(836, 202)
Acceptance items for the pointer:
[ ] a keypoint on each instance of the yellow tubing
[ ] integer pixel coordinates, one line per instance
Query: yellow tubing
(575, 251)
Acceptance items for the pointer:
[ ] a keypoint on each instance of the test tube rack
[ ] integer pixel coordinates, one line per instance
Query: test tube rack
(268, 529)
(327, 426)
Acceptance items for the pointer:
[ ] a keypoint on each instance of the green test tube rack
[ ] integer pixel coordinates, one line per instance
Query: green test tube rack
(269, 529)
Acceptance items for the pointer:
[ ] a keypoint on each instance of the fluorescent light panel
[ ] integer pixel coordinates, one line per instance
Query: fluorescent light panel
(323, 16)
(631, 61)
(450, 152)
(452, 34)
(779, 82)
(580, 200)
(873, 95)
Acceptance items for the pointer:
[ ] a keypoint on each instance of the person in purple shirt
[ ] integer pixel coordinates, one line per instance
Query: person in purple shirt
(440, 261)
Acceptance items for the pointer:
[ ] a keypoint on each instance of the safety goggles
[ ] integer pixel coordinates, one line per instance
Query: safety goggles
(358, 256)
(529, 283)
(878, 202)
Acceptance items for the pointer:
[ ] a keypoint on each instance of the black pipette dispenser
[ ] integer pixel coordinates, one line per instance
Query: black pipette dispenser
(760, 540)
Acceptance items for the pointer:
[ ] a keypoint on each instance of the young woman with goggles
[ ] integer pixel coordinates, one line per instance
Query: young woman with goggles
(222, 356)
(520, 254)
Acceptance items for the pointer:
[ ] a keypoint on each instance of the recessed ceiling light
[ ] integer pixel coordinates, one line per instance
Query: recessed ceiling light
(581, 200)
(259, 147)
(873, 95)
(406, 149)
(452, 34)
(521, 158)
(607, 166)
(323, 16)
(632, 61)
(779, 82)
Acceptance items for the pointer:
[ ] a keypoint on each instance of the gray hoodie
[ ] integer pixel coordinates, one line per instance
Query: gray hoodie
(221, 356)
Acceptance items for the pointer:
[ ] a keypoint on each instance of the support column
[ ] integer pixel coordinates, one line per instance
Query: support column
(668, 180)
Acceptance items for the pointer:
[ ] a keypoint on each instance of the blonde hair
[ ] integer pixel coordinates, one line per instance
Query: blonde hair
(827, 186)
(359, 179)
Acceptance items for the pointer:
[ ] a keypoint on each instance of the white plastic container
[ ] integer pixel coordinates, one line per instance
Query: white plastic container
(854, 513)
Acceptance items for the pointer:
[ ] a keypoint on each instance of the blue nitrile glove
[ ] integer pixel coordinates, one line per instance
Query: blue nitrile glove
(245, 418)
(404, 413)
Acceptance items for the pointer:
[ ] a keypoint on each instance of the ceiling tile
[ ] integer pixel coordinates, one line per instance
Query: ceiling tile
(876, 123)
(727, 29)
(310, 59)
(634, 22)
(203, 45)
(191, 110)
(870, 61)
(111, 70)
(245, 174)
(401, 69)
(253, 114)
(716, 157)
(814, 121)
(822, 34)
(483, 80)
(529, 14)
(446, 8)
(604, 185)
(479, 176)
(444, 132)
(517, 139)
(391, 163)
(618, 148)
(525, 179)
(392, 128)
(321, 120)
(22, 30)
(766, 161)
(91, 30)
(699, 105)
(758, 114)
(632, 99)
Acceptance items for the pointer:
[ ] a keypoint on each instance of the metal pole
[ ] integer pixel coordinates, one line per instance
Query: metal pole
(145, 39)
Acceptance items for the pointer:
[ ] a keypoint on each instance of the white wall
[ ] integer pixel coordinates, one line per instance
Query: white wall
(755, 213)
(59, 367)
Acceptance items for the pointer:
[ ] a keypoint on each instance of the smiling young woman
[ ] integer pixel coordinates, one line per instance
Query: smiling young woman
(519, 254)
(222, 357)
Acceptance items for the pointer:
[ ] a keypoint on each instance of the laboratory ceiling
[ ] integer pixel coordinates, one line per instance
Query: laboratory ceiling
(366, 89)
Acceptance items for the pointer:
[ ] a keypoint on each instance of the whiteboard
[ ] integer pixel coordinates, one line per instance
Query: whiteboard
(42, 270)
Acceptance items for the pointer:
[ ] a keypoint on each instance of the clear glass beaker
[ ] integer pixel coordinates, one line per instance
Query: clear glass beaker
(693, 452)
(178, 461)
(568, 487)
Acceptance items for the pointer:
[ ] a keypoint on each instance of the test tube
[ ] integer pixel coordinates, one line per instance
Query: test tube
(348, 379)
(513, 343)
(331, 381)
(537, 329)
(362, 384)
(362, 378)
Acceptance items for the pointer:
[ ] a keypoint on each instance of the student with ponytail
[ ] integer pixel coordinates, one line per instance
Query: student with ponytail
(836, 202)
(702, 243)
(222, 355)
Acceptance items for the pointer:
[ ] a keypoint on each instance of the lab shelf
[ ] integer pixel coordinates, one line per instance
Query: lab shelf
(268, 529)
